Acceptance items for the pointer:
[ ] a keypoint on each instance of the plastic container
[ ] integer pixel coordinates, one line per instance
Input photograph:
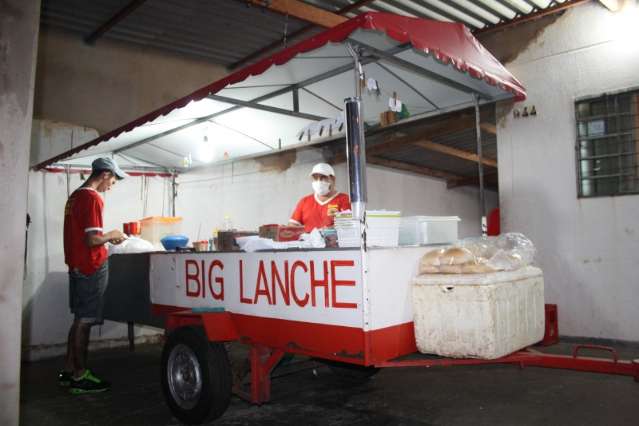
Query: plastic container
(478, 315)
(418, 230)
(154, 228)
(382, 229)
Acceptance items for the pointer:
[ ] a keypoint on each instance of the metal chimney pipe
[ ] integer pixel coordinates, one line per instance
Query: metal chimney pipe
(356, 156)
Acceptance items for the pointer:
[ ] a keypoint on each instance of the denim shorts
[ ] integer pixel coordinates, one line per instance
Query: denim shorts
(86, 294)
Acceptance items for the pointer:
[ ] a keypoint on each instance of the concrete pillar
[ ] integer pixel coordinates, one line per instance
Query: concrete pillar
(19, 24)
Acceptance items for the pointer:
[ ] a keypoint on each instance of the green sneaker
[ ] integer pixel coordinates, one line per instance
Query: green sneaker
(88, 383)
(64, 378)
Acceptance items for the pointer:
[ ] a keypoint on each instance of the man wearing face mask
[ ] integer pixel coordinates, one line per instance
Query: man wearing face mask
(318, 210)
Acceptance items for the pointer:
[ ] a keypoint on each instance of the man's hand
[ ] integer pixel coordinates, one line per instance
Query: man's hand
(116, 236)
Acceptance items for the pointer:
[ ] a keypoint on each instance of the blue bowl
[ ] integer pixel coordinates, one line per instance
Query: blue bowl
(172, 242)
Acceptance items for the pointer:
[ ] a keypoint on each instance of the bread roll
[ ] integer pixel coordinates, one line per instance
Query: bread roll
(427, 269)
(456, 256)
(476, 268)
(450, 269)
(431, 258)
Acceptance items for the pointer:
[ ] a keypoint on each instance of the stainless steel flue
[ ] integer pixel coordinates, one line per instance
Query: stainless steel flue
(356, 156)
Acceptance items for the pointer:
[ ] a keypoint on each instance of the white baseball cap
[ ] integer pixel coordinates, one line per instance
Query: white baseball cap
(322, 169)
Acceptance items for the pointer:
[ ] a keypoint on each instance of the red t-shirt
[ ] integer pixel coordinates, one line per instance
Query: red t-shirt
(315, 214)
(82, 214)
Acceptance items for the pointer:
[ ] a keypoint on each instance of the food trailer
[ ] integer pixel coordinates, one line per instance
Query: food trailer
(347, 305)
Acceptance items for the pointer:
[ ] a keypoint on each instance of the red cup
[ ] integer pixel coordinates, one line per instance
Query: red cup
(126, 228)
(134, 228)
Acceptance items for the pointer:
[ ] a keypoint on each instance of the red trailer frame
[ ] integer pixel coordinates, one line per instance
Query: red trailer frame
(220, 327)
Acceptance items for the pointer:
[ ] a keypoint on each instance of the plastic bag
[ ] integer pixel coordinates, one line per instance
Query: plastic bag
(131, 245)
(313, 239)
(508, 252)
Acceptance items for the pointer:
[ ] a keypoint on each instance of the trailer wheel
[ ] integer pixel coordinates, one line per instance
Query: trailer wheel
(196, 376)
(352, 372)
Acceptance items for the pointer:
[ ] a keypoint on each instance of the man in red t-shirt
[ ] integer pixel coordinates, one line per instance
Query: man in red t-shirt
(318, 210)
(86, 256)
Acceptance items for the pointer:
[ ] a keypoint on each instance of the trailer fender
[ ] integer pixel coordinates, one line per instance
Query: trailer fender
(218, 326)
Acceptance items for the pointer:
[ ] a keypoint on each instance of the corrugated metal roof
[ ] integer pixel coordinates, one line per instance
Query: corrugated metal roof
(222, 31)
(226, 31)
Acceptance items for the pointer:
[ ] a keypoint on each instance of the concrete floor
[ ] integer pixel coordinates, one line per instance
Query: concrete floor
(489, 395)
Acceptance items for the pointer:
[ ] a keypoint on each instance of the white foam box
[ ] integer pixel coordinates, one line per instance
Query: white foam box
(483, 316)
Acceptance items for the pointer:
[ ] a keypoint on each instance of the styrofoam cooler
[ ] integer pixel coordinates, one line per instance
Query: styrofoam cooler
(478, 315)
(416, 230)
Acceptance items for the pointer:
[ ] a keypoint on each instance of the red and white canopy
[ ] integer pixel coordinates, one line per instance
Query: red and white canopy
(431, 66)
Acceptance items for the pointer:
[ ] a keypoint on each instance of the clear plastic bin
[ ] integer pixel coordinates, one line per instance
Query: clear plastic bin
(155, 228)
(418, 230)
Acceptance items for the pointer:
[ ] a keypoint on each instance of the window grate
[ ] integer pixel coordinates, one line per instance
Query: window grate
(607, 146)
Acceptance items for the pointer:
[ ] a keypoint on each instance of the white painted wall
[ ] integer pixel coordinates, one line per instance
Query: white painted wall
(251, 196)
(46, 316)
(50, 138)
(589, 249)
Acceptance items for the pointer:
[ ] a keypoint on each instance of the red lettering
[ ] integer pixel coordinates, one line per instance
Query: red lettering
(242, 298)
(203, 280)
(319, 283)
(335, 282)
(219, 295)
(300, 302)
(262, 290)
(285, 289)
(193, 277)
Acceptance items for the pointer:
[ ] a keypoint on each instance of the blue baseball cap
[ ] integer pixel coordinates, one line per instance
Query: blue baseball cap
(109, 165)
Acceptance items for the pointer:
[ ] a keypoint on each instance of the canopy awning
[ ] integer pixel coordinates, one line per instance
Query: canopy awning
(295, 96)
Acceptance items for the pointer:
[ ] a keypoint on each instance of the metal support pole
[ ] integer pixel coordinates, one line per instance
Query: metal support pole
(480, 167)
(173, 194)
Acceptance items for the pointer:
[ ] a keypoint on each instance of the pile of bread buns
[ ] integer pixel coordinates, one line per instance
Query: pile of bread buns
(454, 260)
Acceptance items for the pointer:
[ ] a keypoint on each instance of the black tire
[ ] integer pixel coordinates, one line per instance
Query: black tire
(352, 372)
(196, 376)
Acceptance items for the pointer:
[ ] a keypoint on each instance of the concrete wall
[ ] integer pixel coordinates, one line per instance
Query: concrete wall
(18, 45)
(109, 84)
(588, 248)
(46, 316)
(253, 193)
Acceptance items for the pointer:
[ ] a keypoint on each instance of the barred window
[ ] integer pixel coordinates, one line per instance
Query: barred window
(608, 144)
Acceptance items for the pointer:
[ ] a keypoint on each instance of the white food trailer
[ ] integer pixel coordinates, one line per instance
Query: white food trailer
(347, 305)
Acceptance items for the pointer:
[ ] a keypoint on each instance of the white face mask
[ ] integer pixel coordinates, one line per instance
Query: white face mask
(321, 188)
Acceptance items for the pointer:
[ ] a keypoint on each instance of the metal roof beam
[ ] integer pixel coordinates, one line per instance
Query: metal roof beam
(267, 108)
(114, 20)
(322, 99)
(416, 69)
